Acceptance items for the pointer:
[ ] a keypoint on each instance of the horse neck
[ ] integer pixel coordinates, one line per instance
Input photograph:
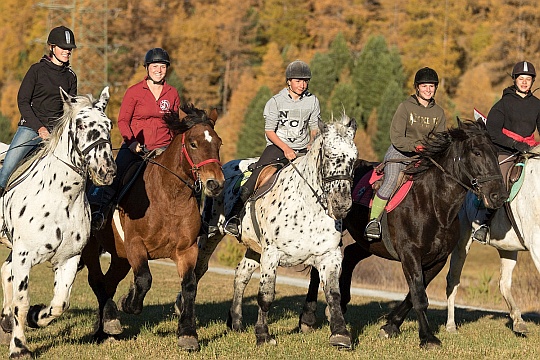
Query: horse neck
(308, 165)
(173, 161)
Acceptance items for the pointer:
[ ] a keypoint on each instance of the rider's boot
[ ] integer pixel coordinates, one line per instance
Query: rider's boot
(103, 197)
(481, 233)
(373, 228)
(232, 221)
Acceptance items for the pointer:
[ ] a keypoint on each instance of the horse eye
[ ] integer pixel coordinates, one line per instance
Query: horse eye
(193, 145)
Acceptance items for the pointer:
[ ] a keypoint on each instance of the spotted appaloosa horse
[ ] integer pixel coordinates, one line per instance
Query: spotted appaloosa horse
(504, 238)
(46, 215)
(424, 229)
(159, 218)
(295, 222)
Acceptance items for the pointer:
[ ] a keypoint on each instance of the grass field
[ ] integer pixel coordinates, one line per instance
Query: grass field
(151, 335)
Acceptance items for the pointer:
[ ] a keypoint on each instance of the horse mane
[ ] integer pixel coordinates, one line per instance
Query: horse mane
(436, 144)
(193, 117)
(70, 110)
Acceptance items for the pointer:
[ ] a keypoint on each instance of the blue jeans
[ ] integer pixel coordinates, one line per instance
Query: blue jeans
(23, 141)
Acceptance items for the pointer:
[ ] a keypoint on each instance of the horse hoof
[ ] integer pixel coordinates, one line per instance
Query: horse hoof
(388, 331)
(188, 343)
(452, 329)
(32, 318)
(520, 328)
(431, 344)
(23, 353)
(343, 342)
(112, 327)
(6, 323)
(266, 339)
(306, 329)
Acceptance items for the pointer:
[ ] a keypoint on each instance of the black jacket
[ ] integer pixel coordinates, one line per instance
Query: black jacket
(514, 113)
(39, 97)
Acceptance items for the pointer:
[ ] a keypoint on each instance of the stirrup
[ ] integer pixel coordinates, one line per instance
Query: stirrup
(481, 233)
(97, 221)
(373, 230)
(232, 226)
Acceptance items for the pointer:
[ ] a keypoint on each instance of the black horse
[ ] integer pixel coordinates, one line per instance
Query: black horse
(424, 229)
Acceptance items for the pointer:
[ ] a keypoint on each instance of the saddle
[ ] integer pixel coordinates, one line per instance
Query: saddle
(24, 164)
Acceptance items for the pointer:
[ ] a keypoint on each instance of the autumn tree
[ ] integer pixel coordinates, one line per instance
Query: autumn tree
(251, 141)
(391, 97)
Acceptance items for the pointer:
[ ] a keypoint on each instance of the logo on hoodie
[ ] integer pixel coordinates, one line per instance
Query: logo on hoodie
(164, 105)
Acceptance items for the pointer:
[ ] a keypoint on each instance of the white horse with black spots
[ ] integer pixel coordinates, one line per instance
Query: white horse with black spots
(46, 216)
(298, 221)
(503, 237)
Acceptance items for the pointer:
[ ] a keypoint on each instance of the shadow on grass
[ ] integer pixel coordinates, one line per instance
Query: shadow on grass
(358, 318)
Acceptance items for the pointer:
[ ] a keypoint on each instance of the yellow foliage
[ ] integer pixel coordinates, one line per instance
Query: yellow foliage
(8, 104)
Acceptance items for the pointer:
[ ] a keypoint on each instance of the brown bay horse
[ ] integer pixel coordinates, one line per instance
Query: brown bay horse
(424, 229)
(159, 218)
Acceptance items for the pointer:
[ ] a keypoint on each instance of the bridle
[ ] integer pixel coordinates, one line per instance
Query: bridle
(195, 167)
(81, 170)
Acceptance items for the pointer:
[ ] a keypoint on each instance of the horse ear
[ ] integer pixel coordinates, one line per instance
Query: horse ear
(181, 114)
(213, 115)
(66, 98)
(322, 126)
(103, 99)
(459, 122)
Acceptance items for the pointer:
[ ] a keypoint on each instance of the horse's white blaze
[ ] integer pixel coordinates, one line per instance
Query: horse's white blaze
(207, 136)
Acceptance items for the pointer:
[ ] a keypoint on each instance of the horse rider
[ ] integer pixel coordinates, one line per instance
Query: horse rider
(141, 125)
(291, 124)
(511, 123)
(39, 100)
(414, 118)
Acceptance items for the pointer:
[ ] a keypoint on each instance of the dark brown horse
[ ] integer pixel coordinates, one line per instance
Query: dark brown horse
(424, 229)
(159, 218)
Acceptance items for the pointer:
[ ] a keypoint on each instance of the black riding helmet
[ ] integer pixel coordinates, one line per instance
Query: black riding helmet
(62, 37)
(426, 76)
(523, 68)
(156, 55)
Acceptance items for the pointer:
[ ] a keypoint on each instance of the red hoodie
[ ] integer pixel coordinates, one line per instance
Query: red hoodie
(141, 115)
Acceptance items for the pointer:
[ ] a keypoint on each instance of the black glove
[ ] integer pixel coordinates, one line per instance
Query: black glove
(521, 147)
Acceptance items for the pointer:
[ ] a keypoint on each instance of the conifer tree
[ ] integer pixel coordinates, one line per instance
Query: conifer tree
(391, 98)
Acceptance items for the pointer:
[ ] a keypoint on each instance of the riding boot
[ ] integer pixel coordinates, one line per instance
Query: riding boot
(480, 234)
(103, 197)
(232, 222)
(373, 228)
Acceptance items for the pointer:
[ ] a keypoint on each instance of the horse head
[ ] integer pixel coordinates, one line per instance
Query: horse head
(89, 131)
(470, 158)
(337, 158)
(200, 146)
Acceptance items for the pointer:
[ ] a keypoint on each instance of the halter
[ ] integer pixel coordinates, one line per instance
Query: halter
(82, 153)
(326, 179)
(476, 182)
(195, 167)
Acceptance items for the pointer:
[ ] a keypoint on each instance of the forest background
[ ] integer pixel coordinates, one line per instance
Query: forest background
(231, 55)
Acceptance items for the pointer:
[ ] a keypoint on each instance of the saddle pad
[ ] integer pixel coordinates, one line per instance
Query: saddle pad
(363, 191)
(517, 185)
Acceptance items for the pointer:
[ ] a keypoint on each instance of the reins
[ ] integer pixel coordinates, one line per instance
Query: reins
(197, 183)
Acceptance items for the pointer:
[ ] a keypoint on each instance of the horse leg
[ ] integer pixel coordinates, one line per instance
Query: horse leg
(6, 325)
(352, 255)
(308, 317)
(418, 279)
(244, 271)
(104, 287)
(187, 332)
(267, 292)
(508, 263)
(329, 267)
(132, 302)
(457, 261)
(20, 305)
(64, 276)
(207, 246)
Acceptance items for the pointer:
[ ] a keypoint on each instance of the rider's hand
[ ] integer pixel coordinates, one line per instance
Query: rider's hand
(521, 146)
(290, 154)
(43, 133)
(135, 147)
(419, 148)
